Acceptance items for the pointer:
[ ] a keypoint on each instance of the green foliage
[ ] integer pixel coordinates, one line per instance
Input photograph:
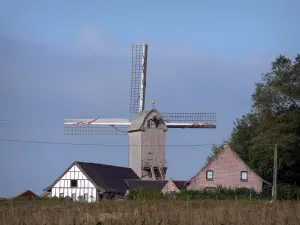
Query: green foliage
(144, 194)
(215, 150)
(220, 193)
(273, 119)
(288, 192)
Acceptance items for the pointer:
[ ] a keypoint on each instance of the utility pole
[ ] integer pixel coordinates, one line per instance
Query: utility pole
(274, 191)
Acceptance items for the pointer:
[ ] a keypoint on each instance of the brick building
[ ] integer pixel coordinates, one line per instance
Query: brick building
(226, 169)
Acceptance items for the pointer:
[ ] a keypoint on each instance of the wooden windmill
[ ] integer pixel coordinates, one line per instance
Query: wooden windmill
(147, 132)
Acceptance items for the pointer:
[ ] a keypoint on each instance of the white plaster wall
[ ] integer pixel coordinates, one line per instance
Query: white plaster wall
(84, 186)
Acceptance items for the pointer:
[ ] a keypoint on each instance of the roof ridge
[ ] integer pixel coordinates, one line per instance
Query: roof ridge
(102, 164)
(179, 180)
(146, 180)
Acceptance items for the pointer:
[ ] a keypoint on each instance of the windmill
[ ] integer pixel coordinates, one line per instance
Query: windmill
(147, 131)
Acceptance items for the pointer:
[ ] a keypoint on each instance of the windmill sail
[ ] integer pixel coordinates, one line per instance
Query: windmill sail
(190, 120)
(116, 126)
(138, 78)
(102, 126)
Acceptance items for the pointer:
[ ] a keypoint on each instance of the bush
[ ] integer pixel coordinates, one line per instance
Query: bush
(219, 193)
(144, 194)
(288, 192)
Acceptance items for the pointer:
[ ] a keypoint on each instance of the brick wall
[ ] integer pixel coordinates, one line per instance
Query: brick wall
(170, 187)
(226, 168)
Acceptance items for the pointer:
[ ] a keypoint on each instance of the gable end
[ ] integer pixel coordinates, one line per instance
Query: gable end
(226, 147)
(66, 171)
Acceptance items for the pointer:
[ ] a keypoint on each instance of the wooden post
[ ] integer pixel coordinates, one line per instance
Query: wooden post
(274, 191)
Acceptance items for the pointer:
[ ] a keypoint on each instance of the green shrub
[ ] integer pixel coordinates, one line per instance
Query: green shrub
(288, 192)
(144, 194)
(221, 193)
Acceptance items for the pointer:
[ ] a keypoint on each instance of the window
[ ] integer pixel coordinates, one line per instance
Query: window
(152, 123)
(209, 175)
(61, 195)
(85, 197)
(74, 196)
(244, 175)
(73, 183)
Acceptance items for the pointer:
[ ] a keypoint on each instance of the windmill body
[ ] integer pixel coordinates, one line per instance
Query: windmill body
(147, 132)
(147, 140)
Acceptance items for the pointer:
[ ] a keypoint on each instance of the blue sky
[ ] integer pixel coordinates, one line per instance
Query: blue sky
(65, 60)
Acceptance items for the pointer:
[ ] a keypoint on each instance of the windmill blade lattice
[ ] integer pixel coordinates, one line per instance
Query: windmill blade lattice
(96, 126)
(102, 126)
(138, 77)
(190, 120)
(90, 129)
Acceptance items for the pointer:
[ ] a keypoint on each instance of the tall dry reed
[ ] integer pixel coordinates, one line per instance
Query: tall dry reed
(150, 212)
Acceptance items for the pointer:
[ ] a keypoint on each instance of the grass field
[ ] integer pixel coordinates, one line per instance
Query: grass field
(150, 212)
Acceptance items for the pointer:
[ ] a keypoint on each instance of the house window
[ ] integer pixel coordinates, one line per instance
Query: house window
(85, 197)
(73, 183)
(74, 196)
(209, 175)
(244, 175)
(61, 195)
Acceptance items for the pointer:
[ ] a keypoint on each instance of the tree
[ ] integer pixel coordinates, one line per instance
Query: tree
(274, 118)
(276, 102)
(279, 89)
(215, 150)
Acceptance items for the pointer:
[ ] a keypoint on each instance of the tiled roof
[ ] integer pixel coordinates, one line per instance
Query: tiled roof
(108, 177)
(180, 184)
(26, 193)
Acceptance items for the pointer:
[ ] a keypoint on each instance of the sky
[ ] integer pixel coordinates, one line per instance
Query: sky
(73, 60)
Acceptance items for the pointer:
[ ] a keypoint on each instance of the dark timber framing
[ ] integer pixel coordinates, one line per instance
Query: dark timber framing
(99, 175)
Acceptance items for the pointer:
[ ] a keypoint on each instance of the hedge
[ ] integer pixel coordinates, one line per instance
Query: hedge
(284, 192)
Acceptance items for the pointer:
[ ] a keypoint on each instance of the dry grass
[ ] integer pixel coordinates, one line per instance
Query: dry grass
(156, 212)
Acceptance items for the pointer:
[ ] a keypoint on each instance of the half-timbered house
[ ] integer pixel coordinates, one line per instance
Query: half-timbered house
(91, 182)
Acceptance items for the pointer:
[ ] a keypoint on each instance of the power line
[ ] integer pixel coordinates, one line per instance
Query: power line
(103, 145)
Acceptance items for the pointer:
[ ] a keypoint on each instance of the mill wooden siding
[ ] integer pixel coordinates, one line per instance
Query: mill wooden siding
(226, 167)
(84, 186)
(148, 147)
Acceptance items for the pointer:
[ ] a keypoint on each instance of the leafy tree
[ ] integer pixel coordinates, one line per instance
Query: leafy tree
(279, 89)
(274, 118)
(276, 102)
(243, 132)
(215, 150)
